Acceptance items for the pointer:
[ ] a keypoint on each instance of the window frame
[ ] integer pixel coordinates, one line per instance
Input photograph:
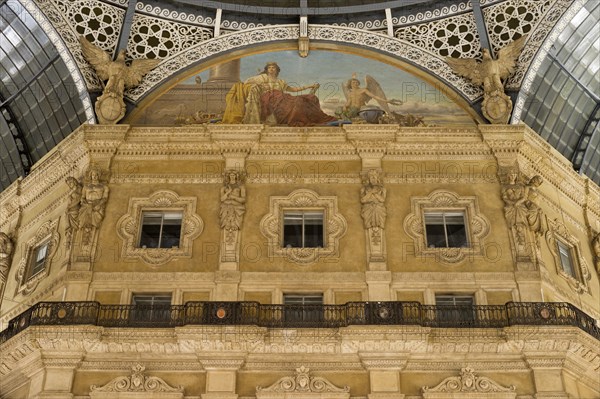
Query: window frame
(162, 212)
(560, 235)
(47, 234)
(568, 250)
(477, 226)
(334, 226)
(33, 261)
(129, 227)
(455, 311)
(147, 314)
(307, 315)
(303, 235)
(445, 212)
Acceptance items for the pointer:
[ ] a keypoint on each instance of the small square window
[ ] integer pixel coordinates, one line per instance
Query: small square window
(150, 308)
(446, 230)
(303, 308)
(566, 258)
(160, 229)
(303, 229)
(454, 309)
(38, 260)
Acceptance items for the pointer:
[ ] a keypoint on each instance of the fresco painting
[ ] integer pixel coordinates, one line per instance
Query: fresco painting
(326, 88)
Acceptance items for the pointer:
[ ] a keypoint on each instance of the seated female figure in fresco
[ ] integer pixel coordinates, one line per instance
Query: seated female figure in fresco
(263, 99)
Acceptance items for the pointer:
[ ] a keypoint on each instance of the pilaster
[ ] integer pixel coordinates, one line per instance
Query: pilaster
(227, 283)
(384, 374)
(221, 375)
(55, 379)
(378, 284)
(547, 375)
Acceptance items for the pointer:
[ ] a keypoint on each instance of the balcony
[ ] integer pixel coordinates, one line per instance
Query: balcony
(302, 316)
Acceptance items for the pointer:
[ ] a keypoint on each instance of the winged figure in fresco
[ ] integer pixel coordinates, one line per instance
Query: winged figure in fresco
(490, 73)
(110, 107)
(357, 98)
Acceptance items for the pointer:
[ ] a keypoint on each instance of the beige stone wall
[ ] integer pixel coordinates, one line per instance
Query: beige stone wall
(372, 361)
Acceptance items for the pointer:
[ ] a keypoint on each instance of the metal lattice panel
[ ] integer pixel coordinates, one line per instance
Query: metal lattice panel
(39, 101)
(563, 105)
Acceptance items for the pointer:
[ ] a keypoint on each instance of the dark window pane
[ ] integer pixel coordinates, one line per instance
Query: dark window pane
(457, 236)
(160, 230)
(436, 237)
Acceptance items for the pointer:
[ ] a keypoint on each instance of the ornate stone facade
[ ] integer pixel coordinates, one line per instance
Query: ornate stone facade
(374, 361)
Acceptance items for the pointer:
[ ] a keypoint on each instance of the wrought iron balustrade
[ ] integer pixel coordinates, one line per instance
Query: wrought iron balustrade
(302, 316)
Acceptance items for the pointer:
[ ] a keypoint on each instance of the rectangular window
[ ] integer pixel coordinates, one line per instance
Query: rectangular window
(446, 230)
(160, 229)
(455, 308)
(303, 229)
(303, 308)
(150, 308)
(566, 258)
(38, 260)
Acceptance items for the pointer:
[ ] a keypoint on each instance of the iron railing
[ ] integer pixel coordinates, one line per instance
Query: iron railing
(302, 316)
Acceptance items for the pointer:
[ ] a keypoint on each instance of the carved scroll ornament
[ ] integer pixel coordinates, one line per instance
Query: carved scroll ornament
(301, 385)
(470, 386)
(137, 382)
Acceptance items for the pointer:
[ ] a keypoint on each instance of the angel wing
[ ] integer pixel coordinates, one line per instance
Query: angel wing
(374, 87)
(346, 88)
(137, 70)
(99, 58)
(468, 68)
(507, 57)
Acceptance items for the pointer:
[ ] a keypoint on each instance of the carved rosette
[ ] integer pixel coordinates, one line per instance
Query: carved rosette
(335, 225)
(136, 382)
(302, 384)
(467, 382)
(129, 225)
(47, 232)
(477, 225)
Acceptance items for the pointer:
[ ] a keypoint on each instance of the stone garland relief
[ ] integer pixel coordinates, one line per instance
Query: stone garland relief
(469, 385)
(526, 221)
(231, 213)
(374, 213)
(302, 386)
(335, 225)
(477, 225)
(46, 233)
(129, 225)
